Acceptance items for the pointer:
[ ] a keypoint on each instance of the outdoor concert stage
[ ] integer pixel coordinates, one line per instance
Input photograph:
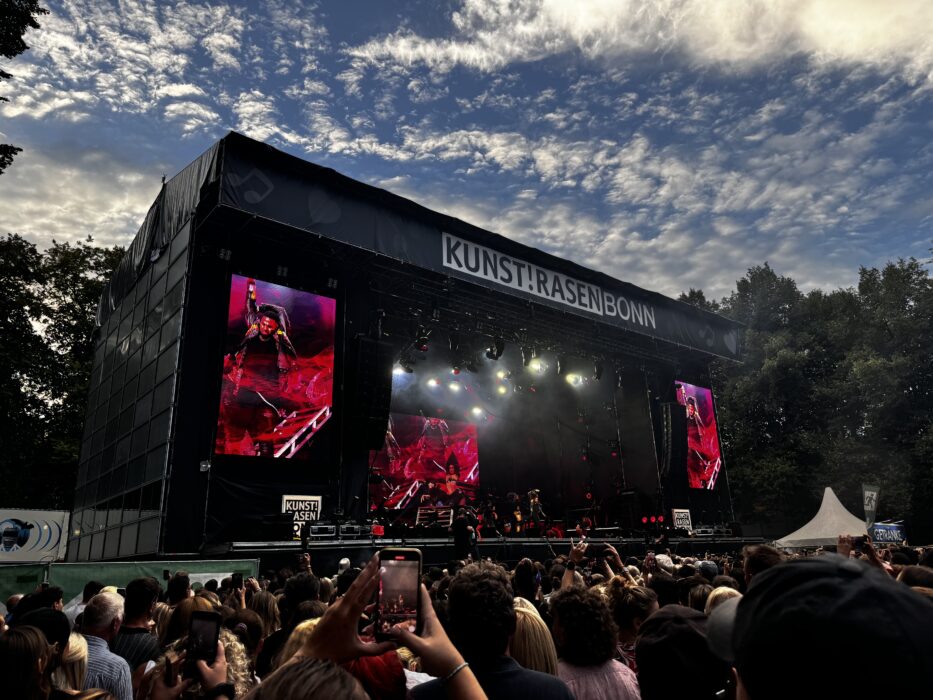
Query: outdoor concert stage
(326, 554)
(283, 344)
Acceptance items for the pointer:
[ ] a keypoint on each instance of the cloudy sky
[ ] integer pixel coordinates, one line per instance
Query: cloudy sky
(670, 143)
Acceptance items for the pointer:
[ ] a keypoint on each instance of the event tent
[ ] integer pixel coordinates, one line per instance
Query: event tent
(830, 521)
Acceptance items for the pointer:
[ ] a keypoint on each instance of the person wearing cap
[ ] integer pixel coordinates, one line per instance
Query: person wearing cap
(830, 622)
(672, 646)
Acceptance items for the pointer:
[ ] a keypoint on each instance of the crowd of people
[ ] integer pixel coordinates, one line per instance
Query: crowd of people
(761, 624)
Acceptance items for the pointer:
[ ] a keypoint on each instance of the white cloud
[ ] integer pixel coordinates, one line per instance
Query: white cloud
(91, 193)
(491, 34)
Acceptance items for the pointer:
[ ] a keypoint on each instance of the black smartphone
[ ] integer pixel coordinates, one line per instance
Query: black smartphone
(858, 543)
(203, 634)
(398, 598)
(237, 581)
(596, 550)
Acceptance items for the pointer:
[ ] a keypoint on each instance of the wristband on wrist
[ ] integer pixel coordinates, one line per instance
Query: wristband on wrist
(446, 679)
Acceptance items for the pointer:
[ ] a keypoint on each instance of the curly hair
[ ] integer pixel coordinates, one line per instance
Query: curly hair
(629, 603)
(481, 610)
(239, 672)
(584, 631)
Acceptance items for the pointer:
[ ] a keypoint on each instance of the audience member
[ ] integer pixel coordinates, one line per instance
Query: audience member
(135, 641)
(481, 612)
(718, 596)
(821, 613)
(101, 623)
(24, 656)
(91, 589)
(585, 636)
(531, 645)
(630, 607)
(72, 670)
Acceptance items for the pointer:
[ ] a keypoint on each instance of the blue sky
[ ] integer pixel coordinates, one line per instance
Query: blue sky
(670, 144)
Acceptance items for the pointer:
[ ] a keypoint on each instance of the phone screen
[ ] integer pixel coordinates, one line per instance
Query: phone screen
(203, 634)
(238, 581)
(398, 592)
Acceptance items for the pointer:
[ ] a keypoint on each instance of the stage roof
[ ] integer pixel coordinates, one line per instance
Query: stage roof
(246, 175)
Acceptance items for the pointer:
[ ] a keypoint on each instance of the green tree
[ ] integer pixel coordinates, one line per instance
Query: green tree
(16, 17)
(48, 310)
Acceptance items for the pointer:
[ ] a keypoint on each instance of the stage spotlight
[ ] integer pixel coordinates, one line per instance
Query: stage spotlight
(454, 341)
(528, 355)
(500, 374)
(455, 369)
(653, 519)
(644, 520)
(502, 390)
(477, 411)
(433, 383)
(537, 365)
(421, 339)
(455, 387)
(574, 379)
(398, 370)
(598, 371)
(494, 351)
(403, 366)
(660, 518)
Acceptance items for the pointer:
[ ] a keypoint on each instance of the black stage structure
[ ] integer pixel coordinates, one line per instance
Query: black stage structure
(527, 371)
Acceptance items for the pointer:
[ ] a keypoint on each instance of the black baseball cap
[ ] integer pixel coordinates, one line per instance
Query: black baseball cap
(672, 646)
(826, 626)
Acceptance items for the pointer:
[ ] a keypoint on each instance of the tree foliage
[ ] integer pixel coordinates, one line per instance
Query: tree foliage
(47, 308)
(16, 17)
(834, 390)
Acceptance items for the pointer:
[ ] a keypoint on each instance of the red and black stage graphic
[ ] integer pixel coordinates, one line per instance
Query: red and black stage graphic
(425, 462)
(704, 460)
(278, 370)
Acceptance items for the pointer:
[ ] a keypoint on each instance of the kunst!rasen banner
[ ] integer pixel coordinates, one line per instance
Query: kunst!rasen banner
(278, 370)
(704, 459)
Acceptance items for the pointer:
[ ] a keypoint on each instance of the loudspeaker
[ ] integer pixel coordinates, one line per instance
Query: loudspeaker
(370, 390)
(674, 440)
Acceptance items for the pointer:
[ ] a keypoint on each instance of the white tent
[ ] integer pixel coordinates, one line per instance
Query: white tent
(830, 521)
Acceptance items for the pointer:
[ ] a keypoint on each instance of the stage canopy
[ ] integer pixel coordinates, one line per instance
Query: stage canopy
(239, 174)
(824, 529)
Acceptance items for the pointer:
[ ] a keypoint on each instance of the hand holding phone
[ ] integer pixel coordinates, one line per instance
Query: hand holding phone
(203, 635)
(237, 581)
(398, 600)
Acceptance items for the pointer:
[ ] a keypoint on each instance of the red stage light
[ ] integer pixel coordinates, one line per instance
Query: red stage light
(644, 519)
(653, 519)
(456, 370)
(660, 518)
(613, 454)
(589, 496)
(378, 530)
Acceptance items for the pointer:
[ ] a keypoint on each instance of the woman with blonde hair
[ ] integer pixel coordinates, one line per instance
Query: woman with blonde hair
(720, 595)
(532, 646)
(295, 641)
(72, 671)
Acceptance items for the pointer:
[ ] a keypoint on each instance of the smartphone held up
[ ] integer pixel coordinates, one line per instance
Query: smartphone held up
(398, 598)
(203, 635)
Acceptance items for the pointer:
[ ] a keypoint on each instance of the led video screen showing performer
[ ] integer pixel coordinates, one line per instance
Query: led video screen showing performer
(704, 459)
(425, 462)
(278, 370)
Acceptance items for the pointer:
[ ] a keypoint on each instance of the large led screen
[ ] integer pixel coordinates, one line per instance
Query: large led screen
(704, 459)
(425, 462)
(278, 370)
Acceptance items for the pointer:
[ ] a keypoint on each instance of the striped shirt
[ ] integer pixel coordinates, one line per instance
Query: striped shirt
(106, 670)
(136, 645)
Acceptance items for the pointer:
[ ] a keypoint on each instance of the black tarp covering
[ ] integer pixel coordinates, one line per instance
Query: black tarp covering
(171, 210)
(263, 181)
(260, 180)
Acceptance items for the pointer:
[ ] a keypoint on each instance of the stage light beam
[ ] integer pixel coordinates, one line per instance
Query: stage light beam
(455, 387)
(433, 383)
(477, 411)
(502, 390)
(538, 366)
(574, 379)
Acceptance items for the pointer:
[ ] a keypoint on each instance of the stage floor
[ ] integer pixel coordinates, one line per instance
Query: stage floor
(325, 554)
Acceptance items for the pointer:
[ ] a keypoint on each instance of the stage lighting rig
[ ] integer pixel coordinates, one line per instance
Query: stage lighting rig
(597, 370)
(538, 366)
(494, 351)
(421, 339)
(574, 379)
(502, 390)
(529, 354)
(433, 383)
(455, 386)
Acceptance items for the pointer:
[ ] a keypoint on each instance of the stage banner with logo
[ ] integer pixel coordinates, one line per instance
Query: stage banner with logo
(870, 495)
(303, 509)
(893, 533)
(682, 519)
(30, 536)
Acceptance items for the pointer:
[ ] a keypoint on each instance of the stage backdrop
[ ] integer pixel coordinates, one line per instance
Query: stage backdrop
(278, 370)
(425, 461)
(704, 459)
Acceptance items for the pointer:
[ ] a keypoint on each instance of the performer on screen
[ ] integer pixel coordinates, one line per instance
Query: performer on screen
(699, 461)
(258, 376)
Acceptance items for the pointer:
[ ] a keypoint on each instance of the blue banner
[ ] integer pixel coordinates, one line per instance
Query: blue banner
(887, 533)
